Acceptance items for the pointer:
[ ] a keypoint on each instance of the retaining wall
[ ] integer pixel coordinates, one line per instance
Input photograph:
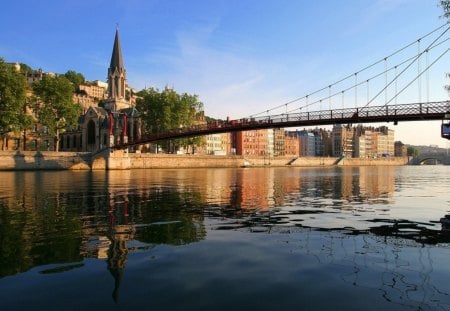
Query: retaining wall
(44, 160)
(122, 160)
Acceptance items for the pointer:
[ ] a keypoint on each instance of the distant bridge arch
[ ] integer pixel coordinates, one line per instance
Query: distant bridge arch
(439, 158)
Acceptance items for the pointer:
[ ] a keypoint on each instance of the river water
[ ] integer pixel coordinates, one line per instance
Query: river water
(351, 238)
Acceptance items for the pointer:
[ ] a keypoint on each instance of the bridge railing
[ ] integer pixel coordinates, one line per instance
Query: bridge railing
(364, 112)
(350, 115)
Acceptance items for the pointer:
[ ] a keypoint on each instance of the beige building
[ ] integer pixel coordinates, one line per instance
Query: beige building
(219, 144)
(279, 142)
(96, 90)
(367, 142)
(342, 141)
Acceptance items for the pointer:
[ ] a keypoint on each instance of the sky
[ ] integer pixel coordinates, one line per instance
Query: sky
(241, 57)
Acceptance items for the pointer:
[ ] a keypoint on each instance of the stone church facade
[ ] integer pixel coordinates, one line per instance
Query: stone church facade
(116, 122)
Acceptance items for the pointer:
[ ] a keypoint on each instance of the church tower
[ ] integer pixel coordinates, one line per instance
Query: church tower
(116, 79)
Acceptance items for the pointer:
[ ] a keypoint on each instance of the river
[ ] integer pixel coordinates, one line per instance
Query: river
(336, 238)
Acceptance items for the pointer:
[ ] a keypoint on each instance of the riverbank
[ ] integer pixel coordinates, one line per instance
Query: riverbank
(120, 160)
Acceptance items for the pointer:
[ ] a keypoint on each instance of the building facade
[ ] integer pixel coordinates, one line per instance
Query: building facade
(251, 143)
(115, 123)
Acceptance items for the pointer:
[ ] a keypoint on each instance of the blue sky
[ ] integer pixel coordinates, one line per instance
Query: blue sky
(239, 57)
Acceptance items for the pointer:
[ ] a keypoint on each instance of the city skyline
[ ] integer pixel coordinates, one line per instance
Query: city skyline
(240, 58)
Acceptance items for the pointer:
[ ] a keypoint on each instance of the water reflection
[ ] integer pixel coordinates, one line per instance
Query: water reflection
(365, 220)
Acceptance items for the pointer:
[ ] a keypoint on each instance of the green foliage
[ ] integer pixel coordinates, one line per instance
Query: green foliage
(166, 110)
(12, 99)
(25, 68)
(413, 152)
(74, 77)
(54, 105)
(445, 4)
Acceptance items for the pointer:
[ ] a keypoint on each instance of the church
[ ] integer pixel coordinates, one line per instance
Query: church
(117, 121)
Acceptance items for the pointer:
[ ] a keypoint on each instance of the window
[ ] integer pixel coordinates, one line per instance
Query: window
(91, 133)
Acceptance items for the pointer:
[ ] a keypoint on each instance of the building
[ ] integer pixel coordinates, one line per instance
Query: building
(291, 145)
(97, 89)
(401, 150)
(117, 122)
(363, 142)
(279, 142)
(342, 141)
(251, 143)
(219, 144)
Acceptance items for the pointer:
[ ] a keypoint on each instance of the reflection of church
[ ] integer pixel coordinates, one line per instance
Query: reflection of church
(116, 122)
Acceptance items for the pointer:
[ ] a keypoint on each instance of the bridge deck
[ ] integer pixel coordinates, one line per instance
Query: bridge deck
(386, 113)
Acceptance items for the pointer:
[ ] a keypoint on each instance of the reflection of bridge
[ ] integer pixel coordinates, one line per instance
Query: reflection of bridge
(386, 113)
(432, 158)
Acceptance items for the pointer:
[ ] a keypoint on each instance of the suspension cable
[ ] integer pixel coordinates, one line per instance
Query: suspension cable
(349, 76)
(371, 78)
(398, 75)
(418, 76)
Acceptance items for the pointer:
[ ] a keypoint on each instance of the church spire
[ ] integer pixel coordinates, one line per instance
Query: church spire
(116, 57)
(116, 72)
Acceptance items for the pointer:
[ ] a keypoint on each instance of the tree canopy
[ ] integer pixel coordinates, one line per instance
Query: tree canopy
(54, 105)
(166, 109)
(12, 100)
(445, 4)
(25, 68)
(75, 77)
(412, 151)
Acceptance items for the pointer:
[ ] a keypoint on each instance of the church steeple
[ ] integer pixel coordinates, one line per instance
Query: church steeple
(116, 57)
(116, 72)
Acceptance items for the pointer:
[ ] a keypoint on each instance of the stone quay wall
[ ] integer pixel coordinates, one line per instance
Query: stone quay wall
(44, 160)
(122, 160)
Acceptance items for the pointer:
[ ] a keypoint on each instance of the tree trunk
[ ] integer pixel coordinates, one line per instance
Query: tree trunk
(24, 140)
(57, 140)
(4, 142)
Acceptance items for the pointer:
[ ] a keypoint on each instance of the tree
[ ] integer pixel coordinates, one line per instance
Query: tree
(445, 4)
(166, 110)
(25, 68)
(12, 101)
(74, 77)
(54, 105)
(412, 151)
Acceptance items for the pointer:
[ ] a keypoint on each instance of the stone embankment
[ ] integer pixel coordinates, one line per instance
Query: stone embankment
(120, 160)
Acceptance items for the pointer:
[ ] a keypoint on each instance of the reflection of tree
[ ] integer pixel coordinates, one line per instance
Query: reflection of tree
(47, 233)
(170, 216)
(165, 216)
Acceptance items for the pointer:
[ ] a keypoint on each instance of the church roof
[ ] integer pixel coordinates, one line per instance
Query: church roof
(131, 112)
(116, 57)
(99, 111)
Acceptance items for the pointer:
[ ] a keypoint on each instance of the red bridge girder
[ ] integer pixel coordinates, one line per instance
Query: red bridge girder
(386, 113)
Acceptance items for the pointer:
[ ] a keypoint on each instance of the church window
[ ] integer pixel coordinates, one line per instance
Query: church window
(91, 133)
